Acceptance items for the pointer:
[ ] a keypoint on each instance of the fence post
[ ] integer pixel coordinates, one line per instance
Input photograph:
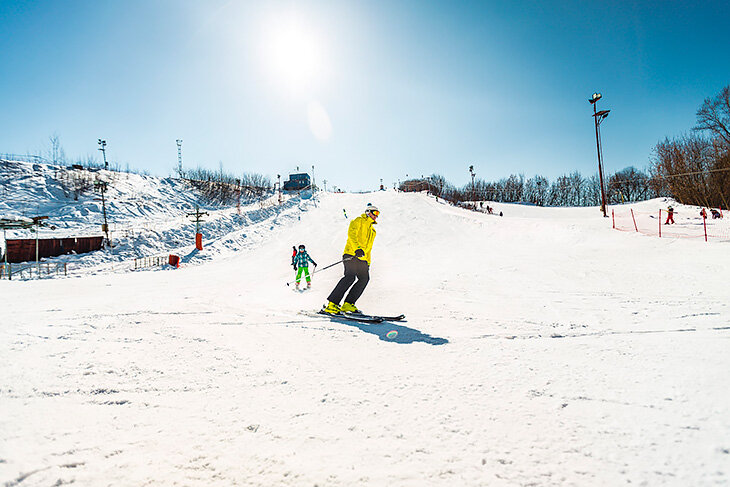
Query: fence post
(704, 224)
(613, 218)
(634, 218)
(660, 223)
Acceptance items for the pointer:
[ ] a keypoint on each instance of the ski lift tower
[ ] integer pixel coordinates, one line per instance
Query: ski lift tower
(198, 219)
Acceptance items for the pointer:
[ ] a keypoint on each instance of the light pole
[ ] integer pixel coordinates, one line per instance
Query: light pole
(598, 118)
(102, 143)
(179, 157)
(278, 178)
(471, 171)
(102, 186)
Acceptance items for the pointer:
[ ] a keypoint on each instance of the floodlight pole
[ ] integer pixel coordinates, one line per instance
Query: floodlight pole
(597, 118)
(102, 143)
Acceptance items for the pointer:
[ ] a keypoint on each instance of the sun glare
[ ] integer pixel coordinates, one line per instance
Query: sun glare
(294, 54)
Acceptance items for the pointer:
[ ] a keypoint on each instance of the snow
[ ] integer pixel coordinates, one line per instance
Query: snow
(540, 348)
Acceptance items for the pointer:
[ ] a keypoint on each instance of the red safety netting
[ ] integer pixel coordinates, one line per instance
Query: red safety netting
(687, 223)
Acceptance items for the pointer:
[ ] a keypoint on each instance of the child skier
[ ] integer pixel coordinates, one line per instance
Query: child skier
(670, 216)
(301, 265)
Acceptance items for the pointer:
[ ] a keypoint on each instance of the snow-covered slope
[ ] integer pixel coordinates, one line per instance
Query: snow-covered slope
(541, 348)
(147, 216)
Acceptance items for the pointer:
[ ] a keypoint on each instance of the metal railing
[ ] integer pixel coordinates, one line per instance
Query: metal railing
(145, 262)
(25, 270)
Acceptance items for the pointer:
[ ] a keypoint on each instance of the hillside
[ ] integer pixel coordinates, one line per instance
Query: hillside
(540, 348)
(147, 216)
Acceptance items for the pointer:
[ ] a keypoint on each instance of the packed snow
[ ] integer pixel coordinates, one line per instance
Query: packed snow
(540, 348)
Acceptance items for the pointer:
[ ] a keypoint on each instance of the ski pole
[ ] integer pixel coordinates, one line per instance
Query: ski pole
(323, 268)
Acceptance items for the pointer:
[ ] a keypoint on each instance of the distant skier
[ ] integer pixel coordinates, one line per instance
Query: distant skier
(715, 213)
(293, 256)
(301, 265)
(360, 237)
(703, 213)
(670, 216)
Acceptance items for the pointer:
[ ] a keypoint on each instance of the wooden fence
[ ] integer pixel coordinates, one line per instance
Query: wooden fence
(23, 250)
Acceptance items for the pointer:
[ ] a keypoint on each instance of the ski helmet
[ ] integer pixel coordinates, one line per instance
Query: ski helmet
(371, 208)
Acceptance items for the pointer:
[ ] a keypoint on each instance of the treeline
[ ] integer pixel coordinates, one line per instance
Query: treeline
(572, 189)
(217, 187)
(693, 169)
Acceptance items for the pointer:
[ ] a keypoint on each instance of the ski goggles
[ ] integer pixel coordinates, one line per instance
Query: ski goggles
(375, 213)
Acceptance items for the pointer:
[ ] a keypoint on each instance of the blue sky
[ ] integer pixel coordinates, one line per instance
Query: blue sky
(362, 90)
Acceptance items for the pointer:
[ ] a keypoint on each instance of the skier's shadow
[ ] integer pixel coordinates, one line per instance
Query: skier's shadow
(403, 335)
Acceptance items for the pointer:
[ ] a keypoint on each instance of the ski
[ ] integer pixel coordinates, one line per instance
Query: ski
(381, 317)
(353, 317)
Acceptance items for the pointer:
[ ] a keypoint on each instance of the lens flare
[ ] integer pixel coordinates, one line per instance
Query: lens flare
(391, 334)
(319, 121)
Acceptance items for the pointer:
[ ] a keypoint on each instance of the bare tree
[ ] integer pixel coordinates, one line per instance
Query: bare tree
(536, 190)
(684, 164)
(221, 188)
(629, 184)
(714, 115)
(56, 153)
(592, 191)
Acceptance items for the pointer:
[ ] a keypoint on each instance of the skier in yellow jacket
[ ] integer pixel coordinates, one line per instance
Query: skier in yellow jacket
(360, 237)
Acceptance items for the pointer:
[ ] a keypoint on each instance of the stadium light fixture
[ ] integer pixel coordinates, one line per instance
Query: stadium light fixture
(597, 119)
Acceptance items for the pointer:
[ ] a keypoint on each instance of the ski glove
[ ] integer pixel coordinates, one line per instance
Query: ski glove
(359, 253)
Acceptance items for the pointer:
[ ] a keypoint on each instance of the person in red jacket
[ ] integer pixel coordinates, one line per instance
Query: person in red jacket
(670, 216)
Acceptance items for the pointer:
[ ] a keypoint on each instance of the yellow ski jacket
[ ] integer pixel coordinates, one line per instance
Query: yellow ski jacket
(360, 235)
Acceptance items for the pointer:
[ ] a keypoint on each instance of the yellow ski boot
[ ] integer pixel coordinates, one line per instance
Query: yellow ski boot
(349, 308)
(331, 308)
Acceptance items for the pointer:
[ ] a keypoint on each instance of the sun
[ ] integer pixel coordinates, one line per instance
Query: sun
(294, 53)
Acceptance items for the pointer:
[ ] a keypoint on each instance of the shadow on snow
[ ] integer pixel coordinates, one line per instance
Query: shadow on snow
(405, 335)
